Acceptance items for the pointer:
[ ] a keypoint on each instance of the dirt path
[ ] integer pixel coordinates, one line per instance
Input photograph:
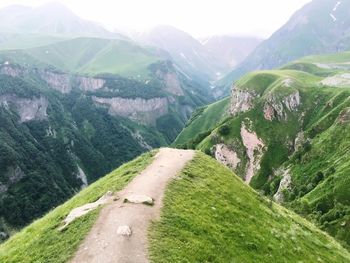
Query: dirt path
(104, 244)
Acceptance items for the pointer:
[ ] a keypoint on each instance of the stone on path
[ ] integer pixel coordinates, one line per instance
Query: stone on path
(124, 231)
(139, 199)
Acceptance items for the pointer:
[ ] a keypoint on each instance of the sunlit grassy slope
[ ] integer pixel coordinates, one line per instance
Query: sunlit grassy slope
(210, 215)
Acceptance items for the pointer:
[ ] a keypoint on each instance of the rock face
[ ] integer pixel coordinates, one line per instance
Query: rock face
(285, 184)
(61, 82)
(226, 156)
(254, 149)
(241, 101)
(140, 110)
(170, 79)
(90, 84)
(277, 108)
(82, 176)
(172, 84)
(11, 71)
(27, 109)
(58, 81)
(340, 80)
(299, 141)
(344, 116)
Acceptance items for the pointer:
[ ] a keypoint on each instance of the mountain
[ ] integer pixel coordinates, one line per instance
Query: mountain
(73, 110)
(286, 133)
(49, 19)
(230, 50)
(208, 215)
(187, 52)
(320, 27)
(91, 56)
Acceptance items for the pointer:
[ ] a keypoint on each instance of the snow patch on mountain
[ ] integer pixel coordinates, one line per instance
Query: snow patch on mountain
(336, 6)
(333, 17)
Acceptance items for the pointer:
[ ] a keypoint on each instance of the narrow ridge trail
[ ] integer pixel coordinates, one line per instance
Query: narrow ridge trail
(110, 239)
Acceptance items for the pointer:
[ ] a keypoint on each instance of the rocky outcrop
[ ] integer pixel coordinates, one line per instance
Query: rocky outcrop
(90, 84)
(82, 176)
(139, 199)
(27, 109)
(226, 156)
(58, 81)
(340, 80)
(254, 149)
(136, 135)
(344, 116)
(277, 108)
(11, 71)
(85, 209)
(285, 185)
(140, 110)
(172, 84)
(299, 141)
(241, 101)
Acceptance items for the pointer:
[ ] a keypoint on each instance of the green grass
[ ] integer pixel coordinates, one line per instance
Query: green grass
(43, 242)
(324, 202)
(210, 215)
(91, 56)
(205, 120)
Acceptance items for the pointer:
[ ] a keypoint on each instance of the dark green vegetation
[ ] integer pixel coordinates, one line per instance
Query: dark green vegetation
(311, 30)
(303, 119)
(233, 224)
(40, 159)
(43, 242)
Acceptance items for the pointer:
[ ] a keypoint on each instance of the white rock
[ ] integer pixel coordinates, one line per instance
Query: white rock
(124, 231)
(139, 199)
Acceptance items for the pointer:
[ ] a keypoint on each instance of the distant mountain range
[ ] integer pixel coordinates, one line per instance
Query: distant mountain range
(321, 26)
(50, 19)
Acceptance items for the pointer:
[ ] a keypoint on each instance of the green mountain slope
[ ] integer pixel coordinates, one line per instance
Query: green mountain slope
(288, 137)
(201, 122)
(211, 216)
(321, 26)
(208, 215)
(90, 56)
(53, 144)
(61, 130)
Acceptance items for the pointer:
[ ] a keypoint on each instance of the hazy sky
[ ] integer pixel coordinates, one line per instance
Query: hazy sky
(197, 17)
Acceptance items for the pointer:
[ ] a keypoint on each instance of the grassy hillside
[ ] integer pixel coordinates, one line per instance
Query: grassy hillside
(202, 121)
(43, 242)
(90, 56)
(210, 215)
(308, 140)
(10, 41)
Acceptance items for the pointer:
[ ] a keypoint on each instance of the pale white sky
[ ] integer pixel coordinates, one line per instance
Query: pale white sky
(197, 17)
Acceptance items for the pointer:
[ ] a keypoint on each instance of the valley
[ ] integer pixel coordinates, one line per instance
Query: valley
(161, 146)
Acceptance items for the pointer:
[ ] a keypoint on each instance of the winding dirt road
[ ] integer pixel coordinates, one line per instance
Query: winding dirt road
(110, 240)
